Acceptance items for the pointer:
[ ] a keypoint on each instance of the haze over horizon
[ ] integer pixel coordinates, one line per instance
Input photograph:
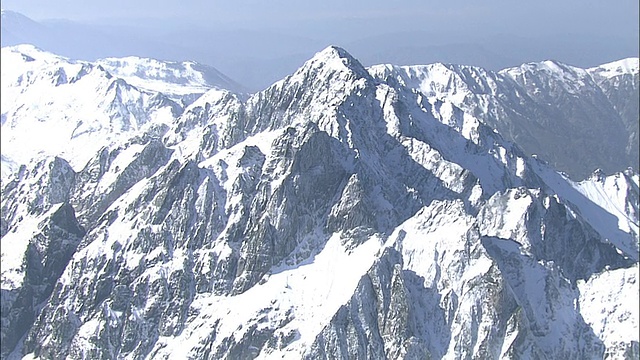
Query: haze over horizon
(257, 43)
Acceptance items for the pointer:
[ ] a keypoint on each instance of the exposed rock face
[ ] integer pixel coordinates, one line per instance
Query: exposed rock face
(333, 215)
(112, 172)
(620, 82)
(41, 236)
(470, 298)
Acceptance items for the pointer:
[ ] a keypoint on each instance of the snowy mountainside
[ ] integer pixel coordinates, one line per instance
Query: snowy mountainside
(182, 82)
(8, 167)
(53, 106)
(336, 214)
(606, 315)
(616, 68)
(620, 82)
(618, 194)
(574, 118)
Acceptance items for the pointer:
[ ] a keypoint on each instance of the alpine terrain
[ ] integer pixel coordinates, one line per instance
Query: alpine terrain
(342, 213)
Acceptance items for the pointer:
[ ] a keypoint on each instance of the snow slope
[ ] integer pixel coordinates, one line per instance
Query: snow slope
(53, 106)
(577, 119)
(180, 81)
(617, 194)
(602, 306)
(628, 66)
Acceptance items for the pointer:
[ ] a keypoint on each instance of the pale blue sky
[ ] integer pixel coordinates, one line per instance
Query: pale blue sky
(488, 16)
(259, 41)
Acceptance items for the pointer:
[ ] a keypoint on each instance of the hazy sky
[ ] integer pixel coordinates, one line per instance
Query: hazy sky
(258, 41)
(488, 16)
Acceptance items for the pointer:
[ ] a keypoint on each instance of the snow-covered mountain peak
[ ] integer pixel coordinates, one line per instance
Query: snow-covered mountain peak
(32, 53)
(552, 66)
(332, 52)
(333, 59)
(313, 93)
(440, 80)
(152, 69)
(543, 98)
(552, 70)
(24, 65)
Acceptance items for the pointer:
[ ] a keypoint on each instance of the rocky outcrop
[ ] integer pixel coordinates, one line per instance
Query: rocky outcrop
(40, 235)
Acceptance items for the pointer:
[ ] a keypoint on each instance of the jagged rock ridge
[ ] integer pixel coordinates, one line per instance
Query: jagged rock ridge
(577, 119)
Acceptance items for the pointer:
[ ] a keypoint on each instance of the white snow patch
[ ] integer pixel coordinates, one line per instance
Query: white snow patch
(609, 303)
(616, 68)
(610, 193)
(307, 296)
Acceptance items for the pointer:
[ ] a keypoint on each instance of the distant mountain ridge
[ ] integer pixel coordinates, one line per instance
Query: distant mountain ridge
(575, 118)
(579, 120)
(183, 82)
(79, 106)
(258, 57)
(53, 106)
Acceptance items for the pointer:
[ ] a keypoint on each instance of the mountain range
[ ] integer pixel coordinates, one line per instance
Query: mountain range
(79, 107)
(578, 119)
(342, 212)
(258, 53)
